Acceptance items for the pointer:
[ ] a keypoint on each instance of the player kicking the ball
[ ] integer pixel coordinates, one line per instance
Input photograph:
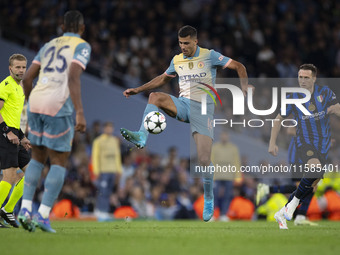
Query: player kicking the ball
(191, 63)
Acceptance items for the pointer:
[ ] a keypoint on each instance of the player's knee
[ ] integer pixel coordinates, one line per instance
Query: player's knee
(313, 161)
(204, 160)
(9, 175)
(315, 184)
(19, 176)
(155, 98)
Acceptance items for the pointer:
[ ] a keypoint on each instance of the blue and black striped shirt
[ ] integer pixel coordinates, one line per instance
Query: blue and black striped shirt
(292, 157)
(314, 129)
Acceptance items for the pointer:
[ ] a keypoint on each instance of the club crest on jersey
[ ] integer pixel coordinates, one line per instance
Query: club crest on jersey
(200, 64)
(311, 107)
(320, 98)
(310, 153)
(191, 65)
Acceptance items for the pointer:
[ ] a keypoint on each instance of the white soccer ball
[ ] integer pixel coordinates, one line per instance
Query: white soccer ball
(155, 122)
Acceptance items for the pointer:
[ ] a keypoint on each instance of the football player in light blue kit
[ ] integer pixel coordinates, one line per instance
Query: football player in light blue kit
(52, 101)
(194, 67)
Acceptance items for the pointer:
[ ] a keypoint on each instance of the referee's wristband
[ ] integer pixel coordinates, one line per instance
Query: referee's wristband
(4, 128)
(21, 134)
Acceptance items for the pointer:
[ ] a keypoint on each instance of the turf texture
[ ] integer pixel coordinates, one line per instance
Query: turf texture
(175, 237)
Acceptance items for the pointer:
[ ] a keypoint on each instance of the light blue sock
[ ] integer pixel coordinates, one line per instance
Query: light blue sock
(53, 184)
(148, 108)
(32, 176)
(208, 185)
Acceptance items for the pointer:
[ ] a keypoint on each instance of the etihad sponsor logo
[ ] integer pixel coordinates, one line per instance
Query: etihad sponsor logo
(190, 77)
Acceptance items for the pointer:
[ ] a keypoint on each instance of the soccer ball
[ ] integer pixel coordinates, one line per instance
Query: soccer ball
(155, 122)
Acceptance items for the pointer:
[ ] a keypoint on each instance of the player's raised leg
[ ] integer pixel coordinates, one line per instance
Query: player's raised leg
(204, 144)
(156, 100)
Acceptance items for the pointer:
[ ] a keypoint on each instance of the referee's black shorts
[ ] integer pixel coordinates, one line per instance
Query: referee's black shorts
(12, 155)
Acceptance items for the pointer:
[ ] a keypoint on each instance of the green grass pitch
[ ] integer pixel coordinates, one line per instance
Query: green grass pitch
(175, 237)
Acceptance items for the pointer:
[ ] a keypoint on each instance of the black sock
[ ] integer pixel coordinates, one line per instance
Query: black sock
(305, 204)
(305, 187)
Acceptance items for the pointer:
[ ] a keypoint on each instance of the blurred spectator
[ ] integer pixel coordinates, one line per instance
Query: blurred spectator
(107, 167)
(240, 25)
(225, 155)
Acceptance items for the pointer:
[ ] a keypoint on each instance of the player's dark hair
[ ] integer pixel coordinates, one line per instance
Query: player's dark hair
(19, 57)
(72, 21)
(310, 67)
(187, 31)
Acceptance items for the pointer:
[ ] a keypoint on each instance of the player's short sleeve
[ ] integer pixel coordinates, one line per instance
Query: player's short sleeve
(171, 69)
(331, 98)
(82, 54)
(217, 59)
(37, 59)
(4, 90)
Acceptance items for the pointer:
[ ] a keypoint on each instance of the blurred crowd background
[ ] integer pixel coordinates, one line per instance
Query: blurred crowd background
(133, 41)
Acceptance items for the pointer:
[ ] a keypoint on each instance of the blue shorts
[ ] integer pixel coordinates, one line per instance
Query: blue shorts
(190, 111)
(55, 133)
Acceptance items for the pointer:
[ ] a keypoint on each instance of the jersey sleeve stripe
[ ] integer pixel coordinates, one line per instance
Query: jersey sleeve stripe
(169, 75)
(36, 62)
(79, 63)
(226, 65)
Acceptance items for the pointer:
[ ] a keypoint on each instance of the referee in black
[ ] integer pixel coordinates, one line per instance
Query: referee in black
(14, 145)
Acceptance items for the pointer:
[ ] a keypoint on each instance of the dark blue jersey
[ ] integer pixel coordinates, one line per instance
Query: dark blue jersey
(292, 155)
(314, 129)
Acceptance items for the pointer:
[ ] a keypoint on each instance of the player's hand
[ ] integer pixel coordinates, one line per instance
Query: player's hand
(26, 143)
(245, 89)
(80, 122)
(13, 138)
(334, 109)
(130, 92)
(273, 149)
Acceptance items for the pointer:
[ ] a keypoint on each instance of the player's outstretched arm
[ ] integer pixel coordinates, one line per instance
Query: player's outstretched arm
(242, 73)
(153, 84)
(75, 93)
(29, 76)
(334, 109)
(273, 148)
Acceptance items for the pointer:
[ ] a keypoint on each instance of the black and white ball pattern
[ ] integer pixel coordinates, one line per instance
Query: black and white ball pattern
(155, 122)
